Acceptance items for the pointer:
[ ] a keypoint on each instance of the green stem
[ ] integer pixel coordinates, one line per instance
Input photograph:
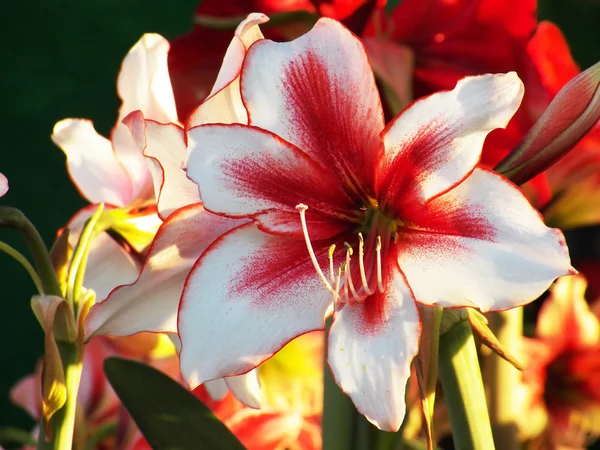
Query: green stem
(14, 218)
(338, 413)
(504, 379)
(16, 255)
(461, 379)
(63, 421)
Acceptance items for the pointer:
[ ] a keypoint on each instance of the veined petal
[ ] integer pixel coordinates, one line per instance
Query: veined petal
(309, 97)
(436, 142)
(247, 296)
(224, 103)
(370, 349)
(481, 244)
(144, 81)
(245, 171)
(165, 148)
(150, 303)
(91, 162)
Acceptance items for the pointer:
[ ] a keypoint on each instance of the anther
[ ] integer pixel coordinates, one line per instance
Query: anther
(302, 210)
(379, 277)
(331, 271)
(347, 272)
(361, 263)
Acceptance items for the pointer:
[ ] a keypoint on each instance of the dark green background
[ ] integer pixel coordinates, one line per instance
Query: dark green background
(60, 59)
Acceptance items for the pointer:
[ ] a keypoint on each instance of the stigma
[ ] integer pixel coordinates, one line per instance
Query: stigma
(340, 283)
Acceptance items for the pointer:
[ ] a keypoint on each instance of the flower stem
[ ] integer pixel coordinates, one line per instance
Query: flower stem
(18, 256)
(461, 379)
(338, 412)
(508, 328)
(14, 218)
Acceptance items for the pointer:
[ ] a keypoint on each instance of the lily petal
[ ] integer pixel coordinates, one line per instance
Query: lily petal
(246, 388)
(165, 148)
(248, 172)
(370, 350)
(485, 244)
(150, 303)
(3, 185)
(262, 286)
(309, 97)
(144, 81)
(435, 143)
(224, 103)
(92, 163)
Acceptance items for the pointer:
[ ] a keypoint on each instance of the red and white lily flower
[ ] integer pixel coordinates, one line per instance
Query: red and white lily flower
(349, 213)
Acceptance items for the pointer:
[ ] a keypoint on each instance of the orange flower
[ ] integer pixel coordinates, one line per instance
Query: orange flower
(561, 385)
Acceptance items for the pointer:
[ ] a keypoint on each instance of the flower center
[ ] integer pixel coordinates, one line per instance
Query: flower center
(350, 284)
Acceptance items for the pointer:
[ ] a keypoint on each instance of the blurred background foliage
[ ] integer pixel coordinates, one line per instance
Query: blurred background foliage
(61, 59)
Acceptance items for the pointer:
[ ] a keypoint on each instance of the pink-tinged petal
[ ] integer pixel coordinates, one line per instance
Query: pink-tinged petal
(437, 141)
(92, 164)
(165, 148)
(310, 97)
(224, 103)
(27, 393)
(3, 185)
(481, 244)
(247, 296)
(150, 303)
(109, 264)
(144, 81)
(245, 171)
(370, 350)
(246, 388)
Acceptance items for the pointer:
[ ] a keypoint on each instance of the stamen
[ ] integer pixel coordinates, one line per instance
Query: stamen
(337, 289)
(361, 262)
(302, 210)
(331, 271)
(347, 272)
(379, 277)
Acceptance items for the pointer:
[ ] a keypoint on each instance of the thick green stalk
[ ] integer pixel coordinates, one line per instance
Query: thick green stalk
(14, 218)
(504, 378)
(463, 387)
(18, 256)
(338, 413)
(63, 421)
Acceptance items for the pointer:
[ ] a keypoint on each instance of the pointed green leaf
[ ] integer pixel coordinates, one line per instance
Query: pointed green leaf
(168, 415)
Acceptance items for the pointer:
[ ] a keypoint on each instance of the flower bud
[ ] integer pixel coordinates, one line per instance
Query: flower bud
(571, 114)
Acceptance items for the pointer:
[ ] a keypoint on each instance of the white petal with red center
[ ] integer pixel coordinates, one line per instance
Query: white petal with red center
(319, 93)
(370, 349)
(245, 171)
(150, 303)
(246, 388)
(165, 147)
(481, 244)
(224, 103)
(436, 142)
(92, 164)
(247, 296)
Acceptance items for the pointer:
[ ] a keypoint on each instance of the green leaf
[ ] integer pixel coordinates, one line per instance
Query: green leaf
(168, 415)
(390, 6)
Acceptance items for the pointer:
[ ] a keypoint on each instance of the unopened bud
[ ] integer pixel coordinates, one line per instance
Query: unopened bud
(571, 114)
